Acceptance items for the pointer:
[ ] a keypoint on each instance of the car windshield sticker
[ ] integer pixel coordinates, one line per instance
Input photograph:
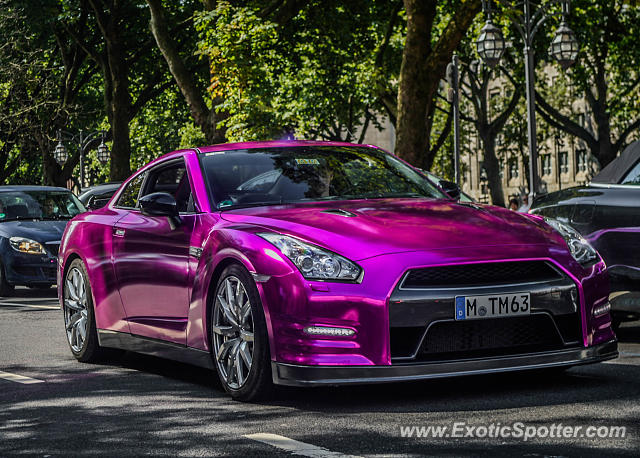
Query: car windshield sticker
(213, 153)
(307, 162)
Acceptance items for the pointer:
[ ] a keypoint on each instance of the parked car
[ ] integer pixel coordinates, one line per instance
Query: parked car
(32, 220)
(340, 265)
(97, 196)
(607, 214)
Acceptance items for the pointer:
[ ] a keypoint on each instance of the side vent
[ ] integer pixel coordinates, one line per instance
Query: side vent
(340, 212)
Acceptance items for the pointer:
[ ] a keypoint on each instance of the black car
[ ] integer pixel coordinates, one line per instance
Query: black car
(607, 213)
(98, 196)
(32, 220)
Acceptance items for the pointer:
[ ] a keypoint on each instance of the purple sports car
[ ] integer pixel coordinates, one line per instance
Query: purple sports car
(314, 263)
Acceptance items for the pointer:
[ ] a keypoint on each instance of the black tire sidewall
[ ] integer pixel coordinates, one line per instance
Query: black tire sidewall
(5, 288)
(258, 382)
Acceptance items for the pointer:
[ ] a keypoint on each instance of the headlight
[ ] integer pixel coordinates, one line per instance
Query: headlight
(26, 245)
(314, 263)
(581, 250)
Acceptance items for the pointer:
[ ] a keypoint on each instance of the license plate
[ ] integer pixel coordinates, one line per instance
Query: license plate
(492, 306)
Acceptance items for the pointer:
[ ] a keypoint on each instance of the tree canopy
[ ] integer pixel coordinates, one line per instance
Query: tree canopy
(158, 75)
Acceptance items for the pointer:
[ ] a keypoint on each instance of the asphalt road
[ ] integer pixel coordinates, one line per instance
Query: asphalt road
(140, 405)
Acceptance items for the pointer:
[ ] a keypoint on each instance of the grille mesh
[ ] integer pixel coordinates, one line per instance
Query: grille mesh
(493, 273)
(502, 335)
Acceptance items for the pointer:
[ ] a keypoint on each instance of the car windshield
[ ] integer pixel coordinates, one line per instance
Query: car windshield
(271, 176)
(15, 205)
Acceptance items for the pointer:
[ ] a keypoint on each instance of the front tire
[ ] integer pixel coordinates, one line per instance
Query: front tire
(240, 344)
(5, 288)
(79, 318)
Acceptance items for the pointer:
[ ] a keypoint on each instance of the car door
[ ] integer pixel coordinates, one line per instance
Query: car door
(151, 259)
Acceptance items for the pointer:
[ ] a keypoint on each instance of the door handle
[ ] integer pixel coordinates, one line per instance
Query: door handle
(118, 232)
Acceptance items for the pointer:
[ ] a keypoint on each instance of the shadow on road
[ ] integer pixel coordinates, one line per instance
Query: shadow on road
(124, 408)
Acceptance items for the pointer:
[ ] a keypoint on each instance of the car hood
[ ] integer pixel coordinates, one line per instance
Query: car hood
(40, 231)
(383, 226)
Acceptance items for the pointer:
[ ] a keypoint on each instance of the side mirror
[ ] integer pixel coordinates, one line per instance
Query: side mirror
(95, 204)
(159, 204)
(451, 188)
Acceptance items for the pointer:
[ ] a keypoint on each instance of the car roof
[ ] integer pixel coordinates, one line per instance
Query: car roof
(102, 186)
(275, 144)
(19, 188)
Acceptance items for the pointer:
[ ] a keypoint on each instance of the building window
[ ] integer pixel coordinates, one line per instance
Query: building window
(581, 160)
(564, 162)
(546, 164)
(513, 168)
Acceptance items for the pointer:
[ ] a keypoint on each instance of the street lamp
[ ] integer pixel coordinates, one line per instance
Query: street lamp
(491, 44)
(564, 49)
(83, 141)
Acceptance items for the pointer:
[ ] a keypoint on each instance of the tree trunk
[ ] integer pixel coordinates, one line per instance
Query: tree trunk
(414, 89)
(204, 117)
(119, 111)
(492, 166)
(421, 71)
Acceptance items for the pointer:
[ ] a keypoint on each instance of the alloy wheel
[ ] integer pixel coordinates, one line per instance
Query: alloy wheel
(232, 331)
(75, 309)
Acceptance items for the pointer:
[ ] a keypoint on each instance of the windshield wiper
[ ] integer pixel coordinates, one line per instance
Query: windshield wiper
(253, 204)
(16, 218)
(55, 217)
(382, 195)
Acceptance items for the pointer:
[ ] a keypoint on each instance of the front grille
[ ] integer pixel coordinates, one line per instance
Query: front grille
(473, 275)
(490, 337)
(36, 273)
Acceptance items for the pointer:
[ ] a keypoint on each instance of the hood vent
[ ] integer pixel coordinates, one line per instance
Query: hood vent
(340, 212)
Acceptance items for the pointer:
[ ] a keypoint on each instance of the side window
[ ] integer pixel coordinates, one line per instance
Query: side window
(129, 196)
(172, 179)
(633, 177)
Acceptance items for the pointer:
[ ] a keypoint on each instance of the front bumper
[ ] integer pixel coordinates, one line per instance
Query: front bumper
(297, 375)
(29, 269)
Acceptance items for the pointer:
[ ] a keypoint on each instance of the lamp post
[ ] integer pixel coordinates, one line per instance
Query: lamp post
(453, 77)
(564, 48)
(82, 141)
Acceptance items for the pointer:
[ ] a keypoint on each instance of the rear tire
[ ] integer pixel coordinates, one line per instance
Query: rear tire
(239, 339)
(5, 288)
(79, 318)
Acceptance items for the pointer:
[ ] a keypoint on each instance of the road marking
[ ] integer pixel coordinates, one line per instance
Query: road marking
(19, 378)
(626, 353)
(293, 446)
(13, 304)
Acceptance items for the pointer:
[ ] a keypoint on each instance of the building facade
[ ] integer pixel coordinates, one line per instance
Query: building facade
(563, 160)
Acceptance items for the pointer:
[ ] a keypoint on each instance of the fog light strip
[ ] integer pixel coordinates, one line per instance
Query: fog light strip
(329, 331)
(601, 309)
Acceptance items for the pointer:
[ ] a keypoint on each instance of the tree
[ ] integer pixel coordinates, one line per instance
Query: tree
(606, 77)
(318, 73)
(45, 77)
(182, 68)
(121, 46)
(489, 117)
(431, 38)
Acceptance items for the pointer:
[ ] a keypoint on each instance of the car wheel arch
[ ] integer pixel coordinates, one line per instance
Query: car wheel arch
(67, 263)
(226, 261)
